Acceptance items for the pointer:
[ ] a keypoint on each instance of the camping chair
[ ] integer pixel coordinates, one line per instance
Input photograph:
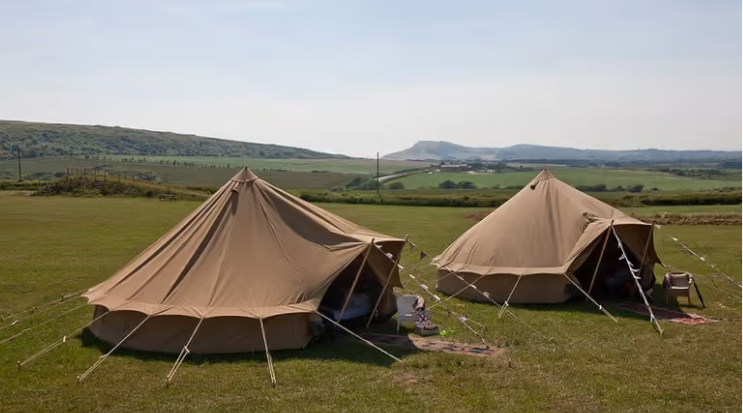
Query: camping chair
(678, 284)
(405, 311)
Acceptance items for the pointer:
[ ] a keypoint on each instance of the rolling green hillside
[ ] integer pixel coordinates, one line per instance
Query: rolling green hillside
(452, 152)
(48, 139)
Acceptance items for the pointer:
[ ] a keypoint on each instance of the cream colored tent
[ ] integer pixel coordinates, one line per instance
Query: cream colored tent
(251, 254)
(544, 236)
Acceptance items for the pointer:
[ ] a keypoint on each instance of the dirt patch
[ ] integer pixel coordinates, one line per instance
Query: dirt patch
(406, 379)
(431, 344)
(660, 219)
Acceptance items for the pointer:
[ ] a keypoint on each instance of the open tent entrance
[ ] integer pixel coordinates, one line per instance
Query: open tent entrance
(613, 278)
(363, 295)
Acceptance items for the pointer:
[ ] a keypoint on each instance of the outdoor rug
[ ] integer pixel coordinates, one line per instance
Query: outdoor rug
(667, 314)
(428, 344)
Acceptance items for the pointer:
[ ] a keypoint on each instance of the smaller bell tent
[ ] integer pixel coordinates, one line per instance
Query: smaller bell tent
(543, 240)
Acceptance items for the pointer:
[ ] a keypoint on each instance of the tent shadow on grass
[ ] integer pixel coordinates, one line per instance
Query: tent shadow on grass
(331, 346)
(582, 305)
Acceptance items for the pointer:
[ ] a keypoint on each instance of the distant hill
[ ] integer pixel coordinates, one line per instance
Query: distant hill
(446, 151)
(50, 139)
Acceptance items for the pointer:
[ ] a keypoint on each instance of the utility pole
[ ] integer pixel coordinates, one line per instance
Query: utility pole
(378, 175)
(18, 154)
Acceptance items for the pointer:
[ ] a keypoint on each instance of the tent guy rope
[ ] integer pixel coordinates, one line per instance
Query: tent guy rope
(386, 285)
(57, 304)
(460, 317)
(483, 293)
(26, 330)
(357, 336)
(700, 257)
(100, 360)
(268, 354)
(184, 352)
(633, 271)
(64, 297)
(60, 341)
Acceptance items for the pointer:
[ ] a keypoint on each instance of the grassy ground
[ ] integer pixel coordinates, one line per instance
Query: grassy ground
(362, 166)
(178, 175)
(55, 245)
(573, 176)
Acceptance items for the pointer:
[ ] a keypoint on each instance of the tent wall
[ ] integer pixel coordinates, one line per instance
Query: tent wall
(168, 334)
(532, 289)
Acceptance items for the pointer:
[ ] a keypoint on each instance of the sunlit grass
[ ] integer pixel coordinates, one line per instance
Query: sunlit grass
(55, 245)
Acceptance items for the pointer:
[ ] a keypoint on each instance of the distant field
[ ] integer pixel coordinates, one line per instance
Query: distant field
(685, 210)
(573, 176)
(356, 166)
(178, 175)
(57, 245)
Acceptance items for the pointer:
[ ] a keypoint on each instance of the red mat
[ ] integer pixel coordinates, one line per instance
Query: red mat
(666, 314)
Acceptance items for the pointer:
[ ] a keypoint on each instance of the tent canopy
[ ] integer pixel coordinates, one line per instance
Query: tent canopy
(250, 250)
(547, 228)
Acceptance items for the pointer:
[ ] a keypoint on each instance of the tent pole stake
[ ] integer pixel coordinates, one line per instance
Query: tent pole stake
(185, 352)
(268, 355)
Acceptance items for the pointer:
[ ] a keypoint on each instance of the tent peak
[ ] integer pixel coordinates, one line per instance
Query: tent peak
(543, 176)
(245, 175)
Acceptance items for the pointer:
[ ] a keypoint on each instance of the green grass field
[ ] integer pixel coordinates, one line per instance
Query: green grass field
(179, 175)
(57, 245)
(573, 176)
(355, 166)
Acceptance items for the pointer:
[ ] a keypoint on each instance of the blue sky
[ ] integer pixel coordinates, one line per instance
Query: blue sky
(358, 77)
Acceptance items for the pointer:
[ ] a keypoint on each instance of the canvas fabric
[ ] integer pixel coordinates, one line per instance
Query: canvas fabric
(544, 232)
(250, 251)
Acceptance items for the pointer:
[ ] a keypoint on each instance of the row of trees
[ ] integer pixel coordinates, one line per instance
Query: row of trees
(449, 184)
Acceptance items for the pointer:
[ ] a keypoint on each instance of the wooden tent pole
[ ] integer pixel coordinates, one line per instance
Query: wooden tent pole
(647, 244)
(356, 280)
(395, 263)
(601, 257)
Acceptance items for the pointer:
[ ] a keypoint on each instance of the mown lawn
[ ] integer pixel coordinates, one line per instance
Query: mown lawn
(57, 245)
(573, 176)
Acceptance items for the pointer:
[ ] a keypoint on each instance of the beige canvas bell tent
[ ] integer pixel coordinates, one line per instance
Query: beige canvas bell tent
(546, 235)
(250, 259)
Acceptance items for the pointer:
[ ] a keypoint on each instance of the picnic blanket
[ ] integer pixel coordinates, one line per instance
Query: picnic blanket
(667, 314)
(427, 344)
